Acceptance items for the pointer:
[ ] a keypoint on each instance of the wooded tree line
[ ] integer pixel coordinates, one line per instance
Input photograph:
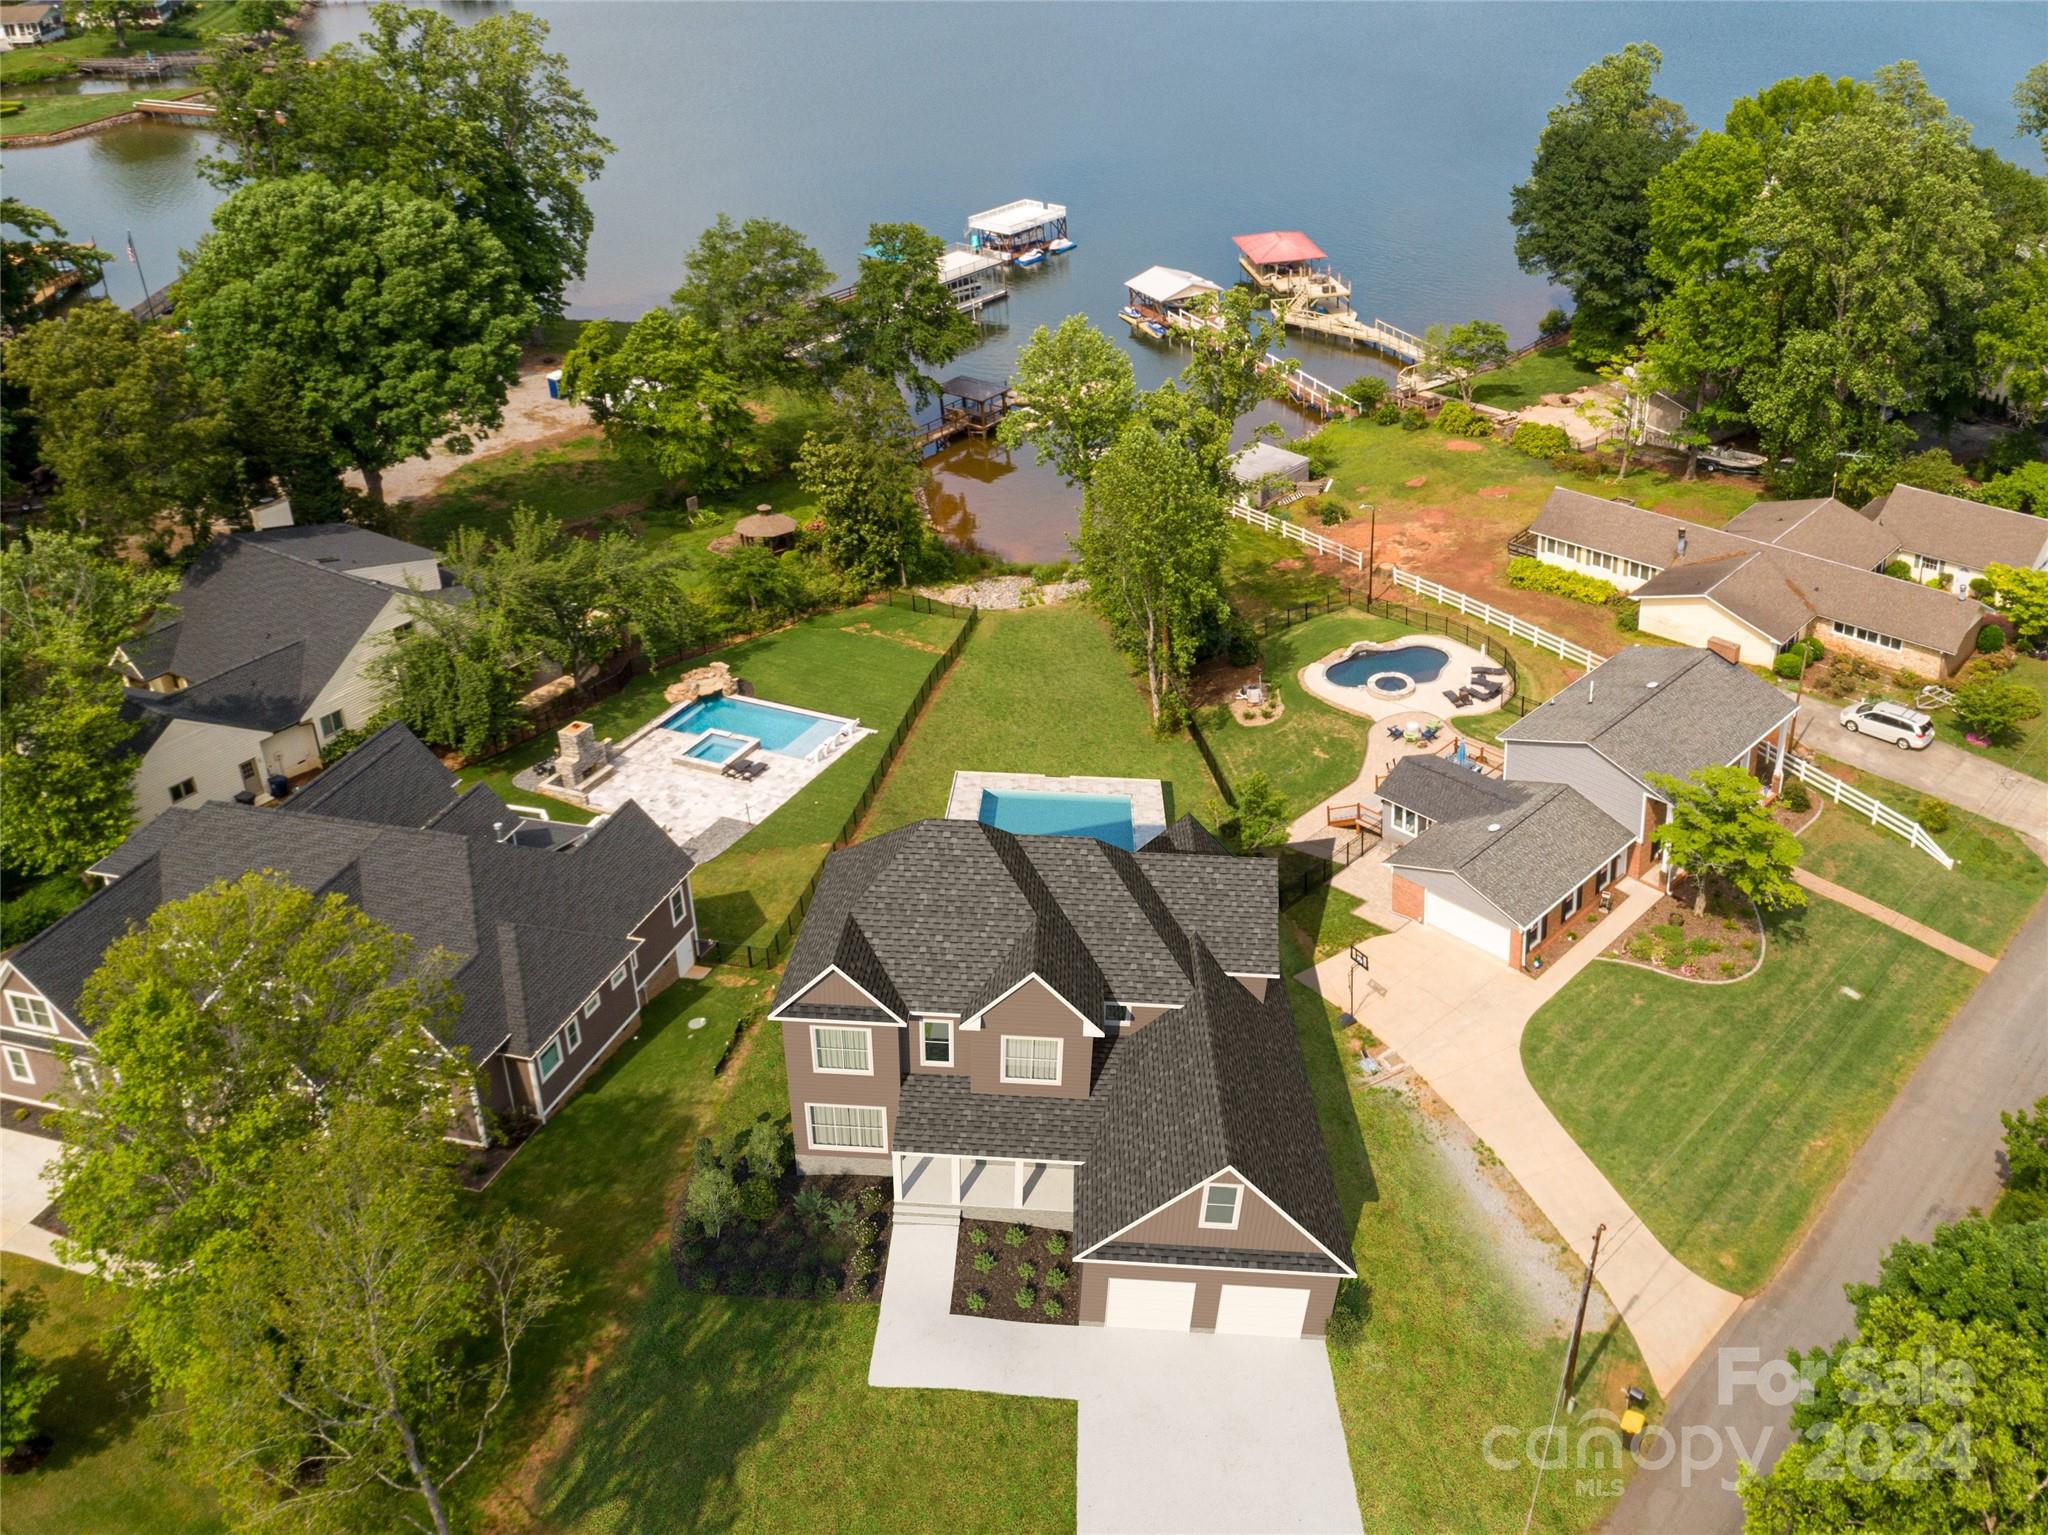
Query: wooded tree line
(1837, 255)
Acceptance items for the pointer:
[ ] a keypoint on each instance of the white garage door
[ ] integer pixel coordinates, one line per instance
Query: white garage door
(1454, 919)
(1163, 1304)
(1268, 1311)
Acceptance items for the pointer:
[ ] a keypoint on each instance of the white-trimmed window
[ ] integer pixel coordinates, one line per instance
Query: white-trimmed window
(329, 725)
(18, 1066)
(1866, 636)
(678, 906)
(1027, 1059)
(1220, 1203)
(841, 1050)
(184, 790)
(935, 1041)
(549, 1061)
(1571, 905)
(590, 1002)
(572, 1036)
(1531, 936)
(1638, 570)
(846, 1127)
(618, 977)
(1118, 1015)
(31, 1013)
(1402, 820)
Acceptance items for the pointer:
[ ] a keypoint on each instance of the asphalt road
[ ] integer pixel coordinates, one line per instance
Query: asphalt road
(1931, 1158)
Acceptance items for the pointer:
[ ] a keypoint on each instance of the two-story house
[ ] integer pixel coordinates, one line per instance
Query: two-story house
(1504, 863)
(1056, 1031)
(558, 933)
(264, 657)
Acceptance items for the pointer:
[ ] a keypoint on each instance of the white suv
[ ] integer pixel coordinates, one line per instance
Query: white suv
(1907, 729)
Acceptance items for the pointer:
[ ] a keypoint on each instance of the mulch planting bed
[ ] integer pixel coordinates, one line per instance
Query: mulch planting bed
(1013, 1268)
(827, 1239)
(1724, 943)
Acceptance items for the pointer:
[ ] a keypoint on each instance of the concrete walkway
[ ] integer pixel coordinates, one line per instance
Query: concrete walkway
(1898, 921)
(24, 1194)
(1457, 1019)
(1177, 1431)
(1964, 779)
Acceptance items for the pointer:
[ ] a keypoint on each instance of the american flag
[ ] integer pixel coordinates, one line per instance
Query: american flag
(131, 252)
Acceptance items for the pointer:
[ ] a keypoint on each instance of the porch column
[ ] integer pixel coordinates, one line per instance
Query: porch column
(896, 1176)
(1019, 1166)
(1778, 757)
(956, 1180)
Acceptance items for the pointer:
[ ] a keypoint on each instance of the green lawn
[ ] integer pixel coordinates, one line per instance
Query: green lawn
(1324, 921)
(1452, 1346)
(1267, 573)
(54, 113)
(1725, 1114)
(1039, 690)
(2027, 752)
(1981, 902)
(1526, 381)
(110, 1468)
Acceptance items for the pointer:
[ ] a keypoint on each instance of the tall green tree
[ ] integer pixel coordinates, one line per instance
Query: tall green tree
(34, 253)
(901, 318)
(1074, 390)
(2012, 338)
(2030, 100)
(2026, 1170)
(455, 677)
(399, 320)
(758, 290)
(861, 462)
(356, 1346)
(66, 773)
(1461, 352)
(132, 435)
(482, 118)
(228, 1028)
(24, 1379)
(1582, 217)
(662, 396)
(118, 15)
(1151, 543)
(2022, 597)
(1719, 827)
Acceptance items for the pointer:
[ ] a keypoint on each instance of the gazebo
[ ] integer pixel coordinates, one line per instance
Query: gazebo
(973, 402)
(769, 530)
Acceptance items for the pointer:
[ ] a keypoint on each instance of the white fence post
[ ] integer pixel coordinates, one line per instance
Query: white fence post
(1487, 613)
(1879, 812)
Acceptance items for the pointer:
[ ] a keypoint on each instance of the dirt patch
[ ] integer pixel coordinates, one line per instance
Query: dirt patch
(1461, 445)
(1417, 483)
(1495, 492)
(1021, 1273)
(532, 420)
(1723, 943)
(725, 543)
(895, 639)
(1289, 564)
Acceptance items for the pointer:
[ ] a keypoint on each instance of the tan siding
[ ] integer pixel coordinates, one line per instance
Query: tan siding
(43, 1066)
(1260, 1227)
(352, 689)
(210, 755)
(1208, 1283)
(913, 1048)
(1256, 985)
(808, 1085)
(18, 983)
(1694, 621)
(834, 990)
(1034, 1009)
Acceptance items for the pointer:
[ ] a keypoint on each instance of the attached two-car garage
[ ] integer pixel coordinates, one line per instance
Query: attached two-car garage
(1171, 1305)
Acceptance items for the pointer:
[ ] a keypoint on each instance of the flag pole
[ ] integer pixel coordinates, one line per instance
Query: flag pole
(148, 309)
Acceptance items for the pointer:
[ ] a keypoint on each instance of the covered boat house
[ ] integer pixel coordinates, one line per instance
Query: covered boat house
(1018, 229)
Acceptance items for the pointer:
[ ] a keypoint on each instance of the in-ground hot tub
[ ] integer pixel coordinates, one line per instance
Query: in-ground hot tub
(717, 750)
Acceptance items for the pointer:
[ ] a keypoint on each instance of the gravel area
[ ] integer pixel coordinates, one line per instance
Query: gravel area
(1004, 592)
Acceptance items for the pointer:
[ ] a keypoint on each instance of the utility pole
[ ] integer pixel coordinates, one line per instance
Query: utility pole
(1372, 545)
(1571, 1358)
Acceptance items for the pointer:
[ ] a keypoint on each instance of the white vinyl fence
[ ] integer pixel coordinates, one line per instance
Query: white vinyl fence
(1343, 554)
(1487, 613)
(1879, 813)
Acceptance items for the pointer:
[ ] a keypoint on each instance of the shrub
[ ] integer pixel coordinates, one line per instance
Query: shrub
(1554, 322)
(705, 1282)
(1456, 419)
(1541, 439)
(978, 1237)
(1367, 393)
(984, 1262)
(861, 1261)
(1026, 1298)
(1015, 1236)
(1055, 1242)
(1796, 796)
(1530, 574)
(1990, 640)
(839, 1214)
(1052, 1306)
(1932, 814)
(862, 1233)
(826, 1287)
(1055, 1279)
(1347, 1314)
(1909, 679)
(1330, 511)
(756, 1200)
(856, 1289)
(1628, 615)
(1789, 665)
(1026, 1270)
(1899, 569)
(1994, 709)
(977, 1302)
(1414, 419)
(765, 1149)
(809, 1206)
(756, 1249)
(1982, 589)
(1813, 648)
(1388, 414)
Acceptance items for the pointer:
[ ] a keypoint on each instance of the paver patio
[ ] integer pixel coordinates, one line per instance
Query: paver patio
(1457, 1020)
(1177, 1431)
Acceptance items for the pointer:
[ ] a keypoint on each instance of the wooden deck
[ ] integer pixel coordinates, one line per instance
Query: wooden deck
(954, 423)
(1349, 326)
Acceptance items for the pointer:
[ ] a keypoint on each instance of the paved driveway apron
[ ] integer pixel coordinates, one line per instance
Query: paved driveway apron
(23, 1193)
(1457, 1019)
(1948, 772)
(1177, 1431)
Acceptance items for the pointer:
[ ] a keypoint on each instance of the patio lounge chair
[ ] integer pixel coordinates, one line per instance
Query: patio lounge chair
(1459, 697)
(1486, 689)
(1394, 732)
(1431, 732)
(1489, 671)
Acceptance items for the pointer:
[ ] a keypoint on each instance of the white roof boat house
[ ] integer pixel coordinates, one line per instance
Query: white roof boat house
(1017, 228)
(1159, 296)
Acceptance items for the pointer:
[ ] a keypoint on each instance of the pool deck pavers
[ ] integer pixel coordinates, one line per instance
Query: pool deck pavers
(1147, 796)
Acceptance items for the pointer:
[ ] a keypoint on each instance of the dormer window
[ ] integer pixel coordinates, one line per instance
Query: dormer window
(1219, 1206)
(1118, 1015)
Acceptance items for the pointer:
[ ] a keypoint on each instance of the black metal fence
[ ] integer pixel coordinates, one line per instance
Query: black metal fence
(753, 956)
(1425, 619)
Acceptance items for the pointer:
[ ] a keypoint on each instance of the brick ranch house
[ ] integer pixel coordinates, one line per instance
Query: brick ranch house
(559, 933)
(1782, 570)
(1055, 1031)
(1504, 863)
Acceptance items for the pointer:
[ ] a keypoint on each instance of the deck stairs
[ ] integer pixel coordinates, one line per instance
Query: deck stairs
(908, 1214)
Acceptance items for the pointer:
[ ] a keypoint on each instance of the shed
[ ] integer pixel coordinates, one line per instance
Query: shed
(1262, 463)
(771, 530)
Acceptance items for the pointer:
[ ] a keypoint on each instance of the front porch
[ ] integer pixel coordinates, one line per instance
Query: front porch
(987, 1188)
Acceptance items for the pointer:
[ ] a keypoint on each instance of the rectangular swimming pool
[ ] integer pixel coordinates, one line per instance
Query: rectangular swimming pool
(785, 731)
(1105, 817)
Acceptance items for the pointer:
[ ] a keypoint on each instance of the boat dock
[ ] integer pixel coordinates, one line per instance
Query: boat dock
(1158, 301)
(1307, 295)
(188, 106)
(1025, 231)
(974, 278)
(968, 407)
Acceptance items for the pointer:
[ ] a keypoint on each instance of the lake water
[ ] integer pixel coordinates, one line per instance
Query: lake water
(1390, 133)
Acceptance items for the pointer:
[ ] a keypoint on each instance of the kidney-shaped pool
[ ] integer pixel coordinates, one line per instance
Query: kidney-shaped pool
(1423, 663)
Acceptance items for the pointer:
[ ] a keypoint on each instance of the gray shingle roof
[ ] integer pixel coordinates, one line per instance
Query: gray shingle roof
(944, 1116)
(339, 546)
(1186, 835)
(1525, 857)
(532, 930)
(1779, 592)
(392, 779)
(1823, 527)
(147, 840)
(1663, 709)
(1439, 790)
(1966, 533)
(1219, 1083)
(943, 916)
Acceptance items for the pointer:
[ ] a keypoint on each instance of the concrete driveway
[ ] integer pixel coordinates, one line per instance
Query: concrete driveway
(1177, 1431)
(23, 1194)
(1965, 780)
(1457, 1020)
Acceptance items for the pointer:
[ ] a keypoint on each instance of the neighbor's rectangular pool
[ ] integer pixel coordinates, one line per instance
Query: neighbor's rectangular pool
(785, 731)
(1106, 817)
